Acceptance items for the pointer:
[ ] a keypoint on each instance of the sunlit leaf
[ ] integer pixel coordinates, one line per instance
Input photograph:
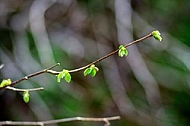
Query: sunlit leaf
(60, 76)
(26, 96)
(5, 82)
(122, 51)
(67, 77)
(93, 72)
(64, 74)
(87, 71)
(157, 35)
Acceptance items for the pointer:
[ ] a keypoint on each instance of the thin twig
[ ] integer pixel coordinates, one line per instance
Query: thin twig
(22, 90)
(42, 123)
(48, 70)
(31, 75)
(104, 57)
(110, 54)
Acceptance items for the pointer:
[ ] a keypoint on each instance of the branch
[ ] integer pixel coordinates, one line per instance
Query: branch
(48, 70)
(30, 76)
(110, 54)
(23, 90)
(42, 123)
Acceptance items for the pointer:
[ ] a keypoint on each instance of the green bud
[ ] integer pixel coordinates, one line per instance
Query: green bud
(26, 96)
(156, 34)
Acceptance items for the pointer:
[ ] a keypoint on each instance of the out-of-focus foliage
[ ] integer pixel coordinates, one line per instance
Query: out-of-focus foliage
(149, 87)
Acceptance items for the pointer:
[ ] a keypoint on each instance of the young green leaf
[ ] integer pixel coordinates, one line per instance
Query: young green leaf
(87, 71)
(156, 34)
(64, 74)
(60, 76)
(158, 37)
(92, 70)
(26, 96)
(5, 82)
(67, 77)
(122, 51)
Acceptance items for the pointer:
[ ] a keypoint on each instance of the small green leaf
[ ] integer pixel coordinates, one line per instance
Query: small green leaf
(67, 77)
(87, 71)
(93, 72)
(121, 46)
(60, 76)
(126, 52)
(120, 54)
(26, 96)
(64, 74)
(156, 34)
(158, 37)
(5, 82)
(122, 51)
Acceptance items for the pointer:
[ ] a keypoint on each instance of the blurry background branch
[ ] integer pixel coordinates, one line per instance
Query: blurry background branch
(38, 29)
(137, 64)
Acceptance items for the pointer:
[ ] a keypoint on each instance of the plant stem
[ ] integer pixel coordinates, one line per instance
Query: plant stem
(48, 70)
(110, 54)
(30, 76)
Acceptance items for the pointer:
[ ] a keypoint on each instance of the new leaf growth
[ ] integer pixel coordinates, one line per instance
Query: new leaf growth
(92, 70)
(64, 74)
(5, 82)
(122, 51)
(26, 96)
(157, 35)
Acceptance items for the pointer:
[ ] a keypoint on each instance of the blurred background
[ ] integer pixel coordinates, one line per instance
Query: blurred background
(149, 87)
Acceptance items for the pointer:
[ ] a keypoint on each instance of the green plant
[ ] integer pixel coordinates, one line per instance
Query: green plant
(89, 69)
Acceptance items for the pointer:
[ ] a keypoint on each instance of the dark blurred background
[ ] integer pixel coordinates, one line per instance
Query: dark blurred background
(150, 87)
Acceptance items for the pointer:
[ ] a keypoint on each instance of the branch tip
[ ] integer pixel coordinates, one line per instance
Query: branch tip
(57, 64)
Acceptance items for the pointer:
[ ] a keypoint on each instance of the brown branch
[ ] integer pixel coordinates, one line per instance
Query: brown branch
(112, 53)
(31, 75)
(48, 70)
(42, 123)
(22, 90)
